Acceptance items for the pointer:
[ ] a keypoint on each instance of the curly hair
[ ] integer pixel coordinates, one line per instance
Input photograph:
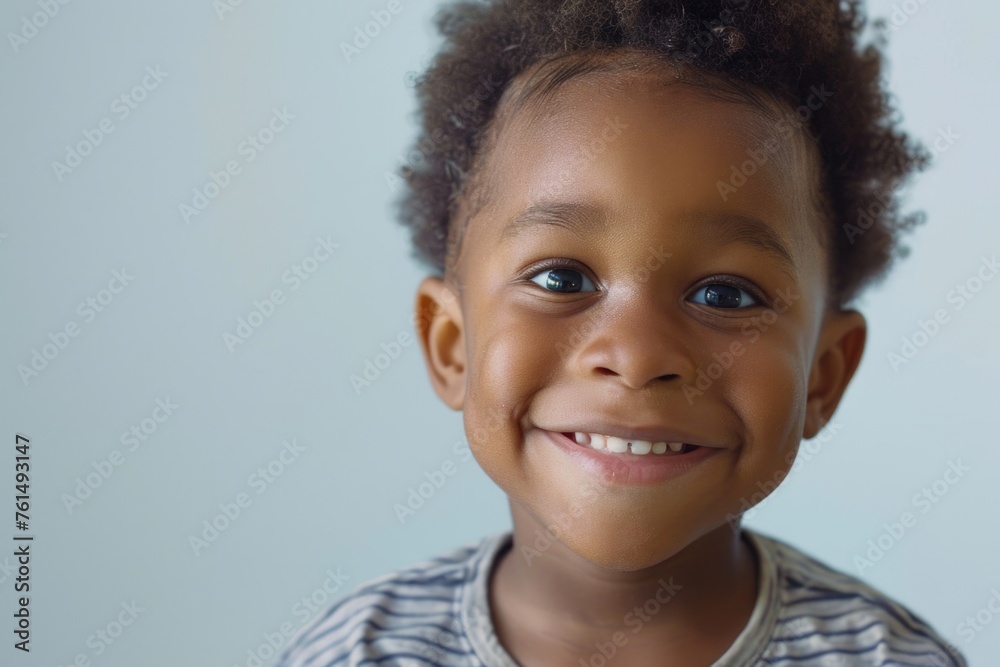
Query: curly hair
(758, 48)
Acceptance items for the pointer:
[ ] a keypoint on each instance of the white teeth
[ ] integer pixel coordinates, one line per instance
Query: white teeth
(621, 445)
(641, 447)
(617, 445)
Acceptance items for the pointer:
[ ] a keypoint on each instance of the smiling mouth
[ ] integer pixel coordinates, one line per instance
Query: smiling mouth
(616, 445)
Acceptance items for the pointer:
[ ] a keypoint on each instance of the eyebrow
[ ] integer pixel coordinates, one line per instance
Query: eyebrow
(736, 228)
(586, 219)
(581, 219)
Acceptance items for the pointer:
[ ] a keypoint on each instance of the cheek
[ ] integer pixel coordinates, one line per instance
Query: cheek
(767, 391)
(510, 358)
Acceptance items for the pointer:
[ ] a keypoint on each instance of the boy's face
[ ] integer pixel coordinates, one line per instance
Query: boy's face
(675, 311)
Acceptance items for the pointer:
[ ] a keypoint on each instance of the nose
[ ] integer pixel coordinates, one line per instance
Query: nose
(639, 345)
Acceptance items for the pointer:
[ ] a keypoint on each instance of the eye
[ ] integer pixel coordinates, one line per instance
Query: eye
(563, 280)
(722, 295)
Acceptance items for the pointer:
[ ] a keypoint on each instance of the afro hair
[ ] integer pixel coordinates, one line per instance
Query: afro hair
(779, 50)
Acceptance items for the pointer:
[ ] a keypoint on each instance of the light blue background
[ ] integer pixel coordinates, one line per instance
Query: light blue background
(325, 175)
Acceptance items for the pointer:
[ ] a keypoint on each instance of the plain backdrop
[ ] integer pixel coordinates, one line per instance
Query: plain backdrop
(351, 456)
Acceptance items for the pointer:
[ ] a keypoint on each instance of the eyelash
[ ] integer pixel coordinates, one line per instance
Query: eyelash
(740, 283)
(719, 279)
(553, 264)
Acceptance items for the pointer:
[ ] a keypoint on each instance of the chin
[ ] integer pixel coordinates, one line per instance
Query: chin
(624, 556)
(619, 545)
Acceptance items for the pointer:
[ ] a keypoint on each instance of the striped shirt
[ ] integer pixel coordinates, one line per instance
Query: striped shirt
(436, 614)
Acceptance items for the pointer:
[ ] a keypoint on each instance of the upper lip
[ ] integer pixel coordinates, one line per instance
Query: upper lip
(647, 433)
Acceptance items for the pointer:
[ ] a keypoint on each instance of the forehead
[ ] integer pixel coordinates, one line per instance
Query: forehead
(643, 143)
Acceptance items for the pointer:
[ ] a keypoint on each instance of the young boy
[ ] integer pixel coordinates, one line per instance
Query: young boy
(644, 223)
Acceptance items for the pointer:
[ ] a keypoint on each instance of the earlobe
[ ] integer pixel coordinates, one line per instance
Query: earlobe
(841, 345)
(441, 331)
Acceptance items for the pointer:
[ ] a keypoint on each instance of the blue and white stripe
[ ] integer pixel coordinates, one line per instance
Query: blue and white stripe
(435, 614)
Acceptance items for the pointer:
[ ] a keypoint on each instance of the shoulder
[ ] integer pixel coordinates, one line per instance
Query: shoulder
(826, 616)
(410, 616)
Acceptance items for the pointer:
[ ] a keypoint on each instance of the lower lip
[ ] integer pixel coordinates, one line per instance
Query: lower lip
(629, 468)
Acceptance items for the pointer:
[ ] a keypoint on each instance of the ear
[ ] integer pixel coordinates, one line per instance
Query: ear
(441, 331)
(841, 344)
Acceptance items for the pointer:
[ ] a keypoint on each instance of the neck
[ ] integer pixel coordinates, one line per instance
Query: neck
(708, 587)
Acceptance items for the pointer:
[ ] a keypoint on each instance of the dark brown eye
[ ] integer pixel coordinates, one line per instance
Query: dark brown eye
(563, 280)
(724, 296)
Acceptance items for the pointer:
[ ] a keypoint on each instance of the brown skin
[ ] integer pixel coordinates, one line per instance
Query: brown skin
(517, 358)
